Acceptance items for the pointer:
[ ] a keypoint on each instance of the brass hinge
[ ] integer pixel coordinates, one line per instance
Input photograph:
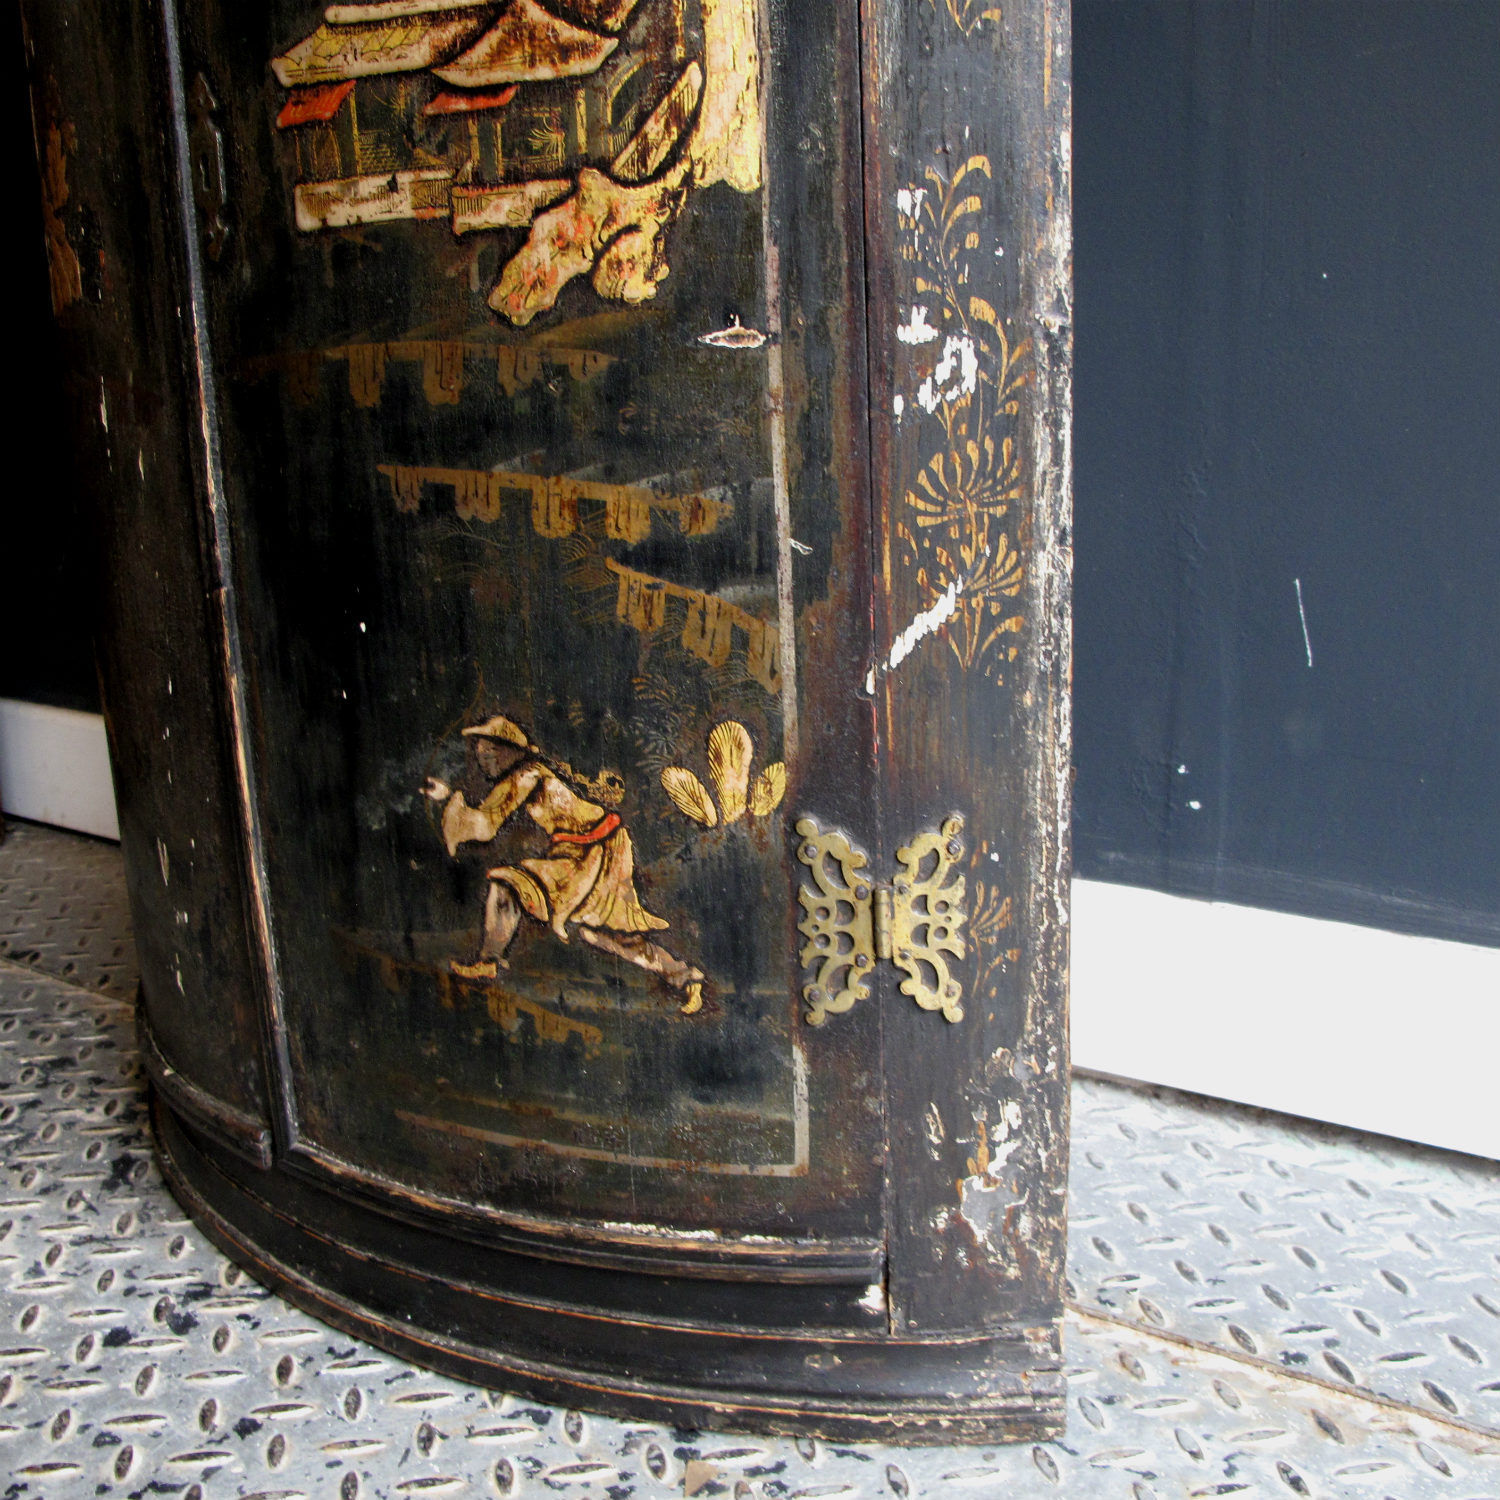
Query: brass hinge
(915, 920)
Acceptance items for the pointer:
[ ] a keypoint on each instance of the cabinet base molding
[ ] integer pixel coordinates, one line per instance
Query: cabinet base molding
(371, 1276)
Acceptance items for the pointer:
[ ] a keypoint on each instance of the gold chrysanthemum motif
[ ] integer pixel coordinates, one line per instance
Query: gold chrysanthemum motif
(731, 752)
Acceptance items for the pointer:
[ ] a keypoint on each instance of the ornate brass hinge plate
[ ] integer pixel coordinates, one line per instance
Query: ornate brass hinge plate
(915, 920)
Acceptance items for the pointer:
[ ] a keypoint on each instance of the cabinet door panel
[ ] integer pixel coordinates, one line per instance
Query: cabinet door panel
(539, 366)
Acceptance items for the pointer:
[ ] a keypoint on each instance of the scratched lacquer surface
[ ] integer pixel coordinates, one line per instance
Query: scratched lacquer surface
(544, 483)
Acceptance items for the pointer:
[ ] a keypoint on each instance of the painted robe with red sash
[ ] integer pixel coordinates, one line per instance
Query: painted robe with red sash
(586, 876)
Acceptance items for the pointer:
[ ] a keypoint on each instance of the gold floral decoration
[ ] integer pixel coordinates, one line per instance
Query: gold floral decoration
(990, 918)
(731, 754)
(969, 15)
(959, 527)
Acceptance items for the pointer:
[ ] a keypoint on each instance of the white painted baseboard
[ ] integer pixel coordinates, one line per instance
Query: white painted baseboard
(54, 768)
(1347, 1024)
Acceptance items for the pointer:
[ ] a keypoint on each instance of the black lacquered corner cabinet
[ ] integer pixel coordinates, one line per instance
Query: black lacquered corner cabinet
(620, 571)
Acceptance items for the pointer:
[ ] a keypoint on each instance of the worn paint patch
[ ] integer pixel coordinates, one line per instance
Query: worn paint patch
(956, 375)
(735, 336)
(923, 625)
(56, 140)
(917, 329)
(985, 1196)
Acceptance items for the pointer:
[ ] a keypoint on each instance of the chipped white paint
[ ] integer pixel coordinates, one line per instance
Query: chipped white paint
(873, 1300)
(900, 405)
(925, 624)
(736, 336)
(103, 407)
(164, 862)
(982, 1201)
(909, 201)
(956, 375)
(985, 1195)
(704, 1236)
(916, 329)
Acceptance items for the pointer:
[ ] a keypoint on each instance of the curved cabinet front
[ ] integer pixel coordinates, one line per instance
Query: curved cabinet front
(612, 943)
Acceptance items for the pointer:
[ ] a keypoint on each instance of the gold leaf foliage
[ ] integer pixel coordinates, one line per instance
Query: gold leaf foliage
(729, 754)
(690, 795)
(769, 789)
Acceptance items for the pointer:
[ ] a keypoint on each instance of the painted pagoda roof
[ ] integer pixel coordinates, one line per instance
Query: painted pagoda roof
(528, 45)
(468, 43)
(399, 10)
(361, 49)
(444, 103)
(315, 105)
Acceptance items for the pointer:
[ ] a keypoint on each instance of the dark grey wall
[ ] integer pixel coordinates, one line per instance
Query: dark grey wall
(1288, 346)
(48, 581)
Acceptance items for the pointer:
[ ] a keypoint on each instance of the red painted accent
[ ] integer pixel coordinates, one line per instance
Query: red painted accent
(601, 830)
(468, 104)
(314, 106)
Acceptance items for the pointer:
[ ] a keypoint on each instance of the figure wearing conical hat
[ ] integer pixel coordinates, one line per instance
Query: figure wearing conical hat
(583, 884)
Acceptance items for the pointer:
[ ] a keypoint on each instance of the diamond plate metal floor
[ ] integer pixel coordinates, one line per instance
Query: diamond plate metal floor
(1259, 1307)
(63, 908)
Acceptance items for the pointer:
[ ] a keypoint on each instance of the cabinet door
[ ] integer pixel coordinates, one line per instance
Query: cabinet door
(535, 341)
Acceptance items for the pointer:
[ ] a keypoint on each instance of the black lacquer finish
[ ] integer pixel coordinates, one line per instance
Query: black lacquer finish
(553, 457)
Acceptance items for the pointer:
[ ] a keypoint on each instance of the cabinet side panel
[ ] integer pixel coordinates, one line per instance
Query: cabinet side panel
(966, 112)
(111, 220)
